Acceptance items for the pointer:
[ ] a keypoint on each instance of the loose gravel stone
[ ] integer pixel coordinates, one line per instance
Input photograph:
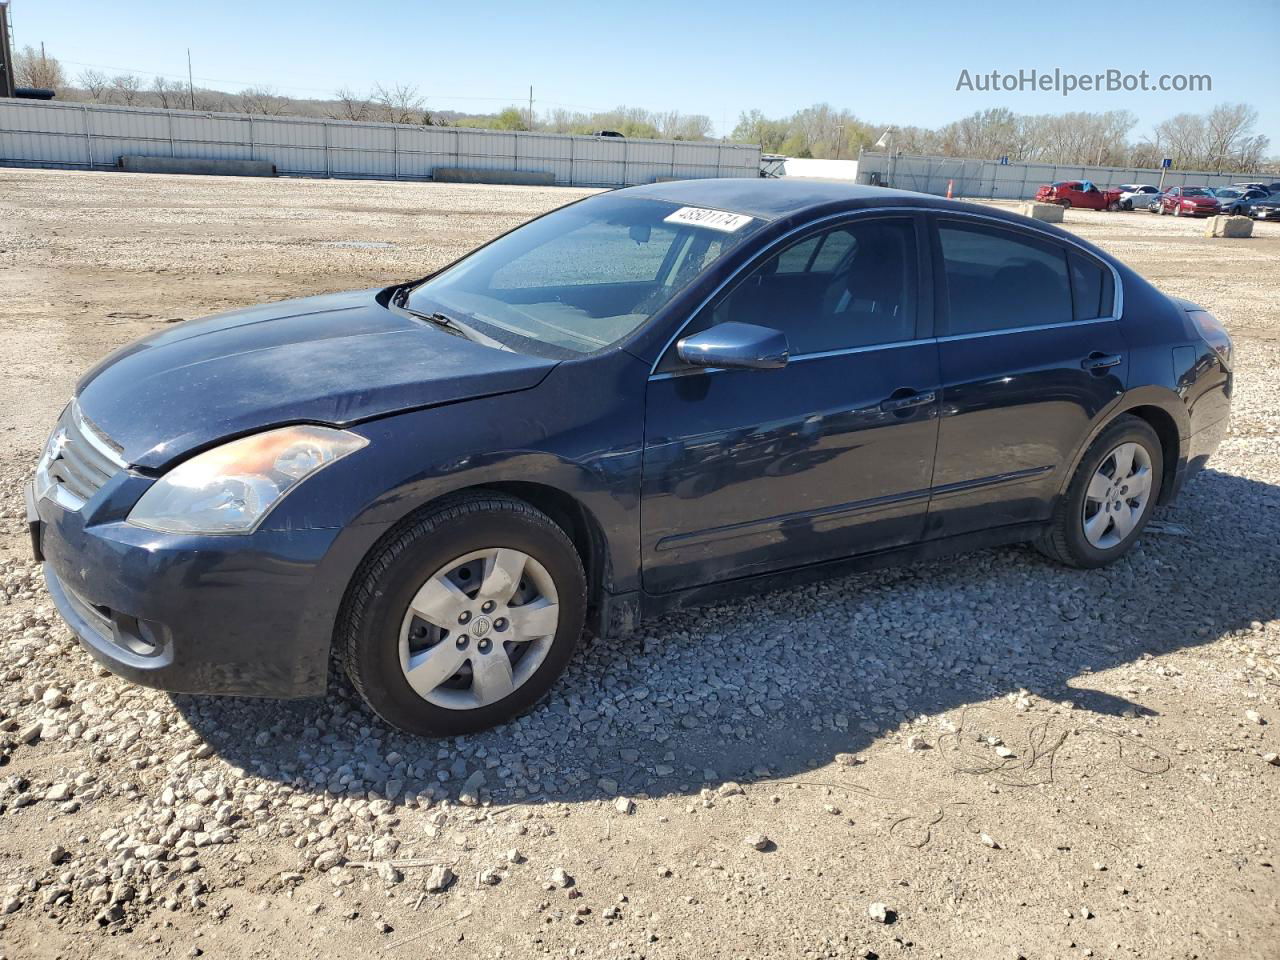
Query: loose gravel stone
(757, 841)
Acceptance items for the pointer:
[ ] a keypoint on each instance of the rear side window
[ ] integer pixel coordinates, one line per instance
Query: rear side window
(1092, 287)
(1000, 280)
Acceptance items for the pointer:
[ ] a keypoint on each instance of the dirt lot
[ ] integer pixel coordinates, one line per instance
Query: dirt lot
(1012, 759)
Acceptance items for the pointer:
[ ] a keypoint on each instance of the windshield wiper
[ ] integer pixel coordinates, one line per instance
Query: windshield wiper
(448, 324)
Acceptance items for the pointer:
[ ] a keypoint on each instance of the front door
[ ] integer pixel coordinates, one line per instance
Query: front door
(750, 471)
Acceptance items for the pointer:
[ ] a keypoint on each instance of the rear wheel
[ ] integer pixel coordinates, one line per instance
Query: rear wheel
(1066, 204)
(1110, 497)
(466, 617)
(1114, 206)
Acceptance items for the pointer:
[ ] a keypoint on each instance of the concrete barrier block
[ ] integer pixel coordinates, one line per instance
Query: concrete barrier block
(1221, 226)
(528, 178)
(211, 168)
(1048, 212)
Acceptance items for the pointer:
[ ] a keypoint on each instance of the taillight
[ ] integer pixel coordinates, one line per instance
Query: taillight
(1214, 333)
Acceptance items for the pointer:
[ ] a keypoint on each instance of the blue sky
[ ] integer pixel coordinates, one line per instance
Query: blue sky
(888, 62)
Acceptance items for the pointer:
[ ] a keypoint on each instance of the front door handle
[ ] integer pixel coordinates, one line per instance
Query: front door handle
(1098, 361)
(902, 403)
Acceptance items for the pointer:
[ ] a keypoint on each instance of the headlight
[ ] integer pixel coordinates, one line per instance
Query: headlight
(230, 488)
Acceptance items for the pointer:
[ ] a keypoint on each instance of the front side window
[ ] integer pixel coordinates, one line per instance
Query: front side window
(999, 279)
(583, 277)
(856, 288)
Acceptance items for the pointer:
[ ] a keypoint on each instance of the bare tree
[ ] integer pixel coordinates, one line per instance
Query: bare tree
(1229, 134)
(126, 88)
(263, 101)
(170, 93)
(33, 69)
(399, 104)
(95, 82)
(349, 106)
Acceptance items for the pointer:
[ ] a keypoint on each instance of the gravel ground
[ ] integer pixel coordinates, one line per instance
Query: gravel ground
(983, 757)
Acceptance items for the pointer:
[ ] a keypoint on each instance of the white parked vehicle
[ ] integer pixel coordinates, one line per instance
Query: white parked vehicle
(1137, 196)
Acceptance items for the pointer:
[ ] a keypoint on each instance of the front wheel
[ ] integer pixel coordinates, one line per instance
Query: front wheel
(1114, 206)
(1110, 497)
(466, 617)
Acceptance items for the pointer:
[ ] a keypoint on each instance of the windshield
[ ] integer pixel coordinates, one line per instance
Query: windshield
(1195, 192)
(585, 276)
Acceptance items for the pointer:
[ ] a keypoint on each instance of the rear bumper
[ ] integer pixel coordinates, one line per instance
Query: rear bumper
(247, 616)
(1201, 445)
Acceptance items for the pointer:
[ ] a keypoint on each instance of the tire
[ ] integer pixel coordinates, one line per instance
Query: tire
(1066, 540)
(1066, 204)
(1114, 206)
(1177, 211)
(376, 628)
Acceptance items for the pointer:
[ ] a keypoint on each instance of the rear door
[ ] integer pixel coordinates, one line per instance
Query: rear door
(1030, 354)
(751, 471)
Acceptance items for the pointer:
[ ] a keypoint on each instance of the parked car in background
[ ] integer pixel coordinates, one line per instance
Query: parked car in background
(1236, 200)
(649, 399)
(1137, 196)
(1079, 193)
(1253, 185)
(1189, 202)
(1265, 208)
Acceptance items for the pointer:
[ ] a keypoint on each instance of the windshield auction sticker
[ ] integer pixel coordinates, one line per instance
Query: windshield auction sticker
(711, 219)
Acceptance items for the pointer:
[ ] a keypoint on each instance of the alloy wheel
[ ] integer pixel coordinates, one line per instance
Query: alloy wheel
(1118, 496)
(479, 628)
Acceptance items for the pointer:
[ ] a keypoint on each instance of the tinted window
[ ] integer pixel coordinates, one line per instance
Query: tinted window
(1092, 287)
(997, 279)
(858, 288)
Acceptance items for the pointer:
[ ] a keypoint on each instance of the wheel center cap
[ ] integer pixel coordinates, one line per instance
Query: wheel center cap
(481, 626)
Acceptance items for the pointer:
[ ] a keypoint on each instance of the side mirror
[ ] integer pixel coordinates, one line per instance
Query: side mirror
(742, 346)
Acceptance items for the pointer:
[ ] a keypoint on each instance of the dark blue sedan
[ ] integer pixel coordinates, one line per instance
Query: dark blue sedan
(648, 399)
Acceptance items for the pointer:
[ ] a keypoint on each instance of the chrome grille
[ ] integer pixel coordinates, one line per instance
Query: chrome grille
(77, 461)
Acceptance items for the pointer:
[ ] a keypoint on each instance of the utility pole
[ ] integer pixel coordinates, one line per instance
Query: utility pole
(530, 124)
(7, 81)
(191, 86)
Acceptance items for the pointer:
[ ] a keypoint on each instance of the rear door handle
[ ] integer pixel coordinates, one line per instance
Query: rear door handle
(902, 403)
(1097, 361)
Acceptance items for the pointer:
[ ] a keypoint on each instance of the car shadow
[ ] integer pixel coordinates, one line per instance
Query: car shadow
(779, 684)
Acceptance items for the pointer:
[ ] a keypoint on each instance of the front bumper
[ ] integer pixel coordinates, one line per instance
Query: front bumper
(243, 615)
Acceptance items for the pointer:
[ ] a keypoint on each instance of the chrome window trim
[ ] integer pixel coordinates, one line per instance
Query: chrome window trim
(799, 357)
(1117, 306)
(951, 337)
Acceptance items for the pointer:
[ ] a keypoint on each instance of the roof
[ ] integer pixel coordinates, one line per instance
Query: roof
(771, 198)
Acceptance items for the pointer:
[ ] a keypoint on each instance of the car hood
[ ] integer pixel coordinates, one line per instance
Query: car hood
(334, 359)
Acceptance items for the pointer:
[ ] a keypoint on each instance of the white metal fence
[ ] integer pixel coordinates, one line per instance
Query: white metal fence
(95, 136)
(1017, 181)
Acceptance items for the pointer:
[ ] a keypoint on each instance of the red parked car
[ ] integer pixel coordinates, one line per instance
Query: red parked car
(1188, 202)
(1078, 193)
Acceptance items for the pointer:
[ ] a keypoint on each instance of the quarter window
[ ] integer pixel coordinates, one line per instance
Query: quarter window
(999, 280)
(852, 286)
(1092, 288)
